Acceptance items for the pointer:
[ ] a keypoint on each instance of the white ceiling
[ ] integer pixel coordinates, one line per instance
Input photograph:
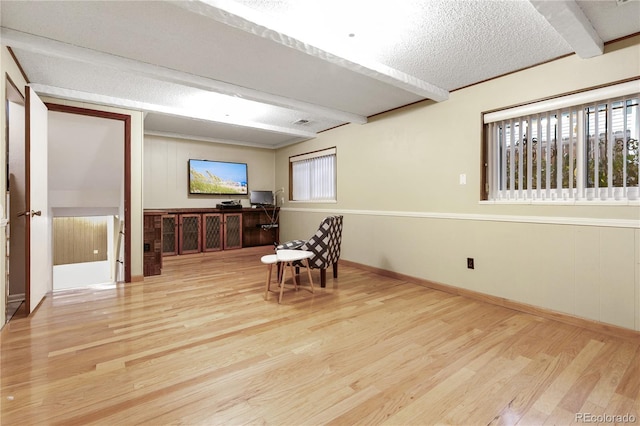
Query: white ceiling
(246, 71)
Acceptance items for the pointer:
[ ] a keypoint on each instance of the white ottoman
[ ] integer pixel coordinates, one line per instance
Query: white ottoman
(287, 257)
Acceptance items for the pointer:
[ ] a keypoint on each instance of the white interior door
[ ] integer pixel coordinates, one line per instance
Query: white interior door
(39, 269)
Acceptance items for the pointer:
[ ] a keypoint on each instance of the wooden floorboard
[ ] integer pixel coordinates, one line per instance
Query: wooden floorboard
(200, 345)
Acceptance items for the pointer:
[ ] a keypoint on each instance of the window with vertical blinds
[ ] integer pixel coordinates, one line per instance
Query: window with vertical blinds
(313, 176)
(582, 147)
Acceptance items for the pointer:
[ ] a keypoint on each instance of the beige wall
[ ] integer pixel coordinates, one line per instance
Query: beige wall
(166, 170)
(405, 211)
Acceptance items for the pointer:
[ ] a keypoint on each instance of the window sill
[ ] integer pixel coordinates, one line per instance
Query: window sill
(313, 202)
(563, 202)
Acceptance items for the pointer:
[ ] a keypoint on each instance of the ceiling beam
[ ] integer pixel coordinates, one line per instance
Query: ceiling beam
(566, 17)
(219, 140)
(77, 95)
(53, 48)
(241, 17)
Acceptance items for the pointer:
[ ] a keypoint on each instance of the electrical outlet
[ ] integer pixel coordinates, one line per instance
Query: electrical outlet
(470, 263)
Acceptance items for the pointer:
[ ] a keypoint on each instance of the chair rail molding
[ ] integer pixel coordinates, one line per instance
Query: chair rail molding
(549, 220)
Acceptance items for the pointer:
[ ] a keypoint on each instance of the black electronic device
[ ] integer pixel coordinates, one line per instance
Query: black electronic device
(229, 205)
(266, 226)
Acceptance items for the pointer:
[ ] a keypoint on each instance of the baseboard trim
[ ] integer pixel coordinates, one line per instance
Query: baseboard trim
(137, 278)
(550, 314)
(16, 297)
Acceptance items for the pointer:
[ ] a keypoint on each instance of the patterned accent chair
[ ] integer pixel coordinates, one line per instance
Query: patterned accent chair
(325, 244)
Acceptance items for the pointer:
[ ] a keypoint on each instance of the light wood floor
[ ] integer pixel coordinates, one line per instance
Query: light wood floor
(199, 345)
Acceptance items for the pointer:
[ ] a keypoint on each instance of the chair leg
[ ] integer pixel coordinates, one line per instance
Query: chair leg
(323, 277)
(335, 270)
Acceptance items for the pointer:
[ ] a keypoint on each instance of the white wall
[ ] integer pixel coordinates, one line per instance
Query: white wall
(86, 162)
(166, 170)
(405, 211)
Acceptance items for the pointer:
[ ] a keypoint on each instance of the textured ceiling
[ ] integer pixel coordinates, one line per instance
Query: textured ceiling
(439, 41)
(246, 71)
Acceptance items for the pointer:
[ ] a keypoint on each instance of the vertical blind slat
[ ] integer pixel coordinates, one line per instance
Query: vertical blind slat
(520, 156)
(547, 151)
(571, 153)
(559, 154)
(581, 155)
(512, 159)
(529, 157)
(609, 147)
(538, 156)
(503, 156)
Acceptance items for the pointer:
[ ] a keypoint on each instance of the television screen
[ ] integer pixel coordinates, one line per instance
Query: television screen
(261, 198)
(217, 177)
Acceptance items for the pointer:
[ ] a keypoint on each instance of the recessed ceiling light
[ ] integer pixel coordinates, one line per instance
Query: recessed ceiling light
(352, 35)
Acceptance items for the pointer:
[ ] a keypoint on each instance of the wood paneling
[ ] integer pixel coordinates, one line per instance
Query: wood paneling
(79, 240)
(200, 345)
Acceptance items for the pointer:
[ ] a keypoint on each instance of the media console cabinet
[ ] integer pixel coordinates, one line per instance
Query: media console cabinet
(170, 232)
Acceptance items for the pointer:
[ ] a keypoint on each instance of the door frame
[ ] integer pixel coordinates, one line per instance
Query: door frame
(12, 94)
(127, 169)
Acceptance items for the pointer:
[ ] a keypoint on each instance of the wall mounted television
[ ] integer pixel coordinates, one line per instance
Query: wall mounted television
(217, 177)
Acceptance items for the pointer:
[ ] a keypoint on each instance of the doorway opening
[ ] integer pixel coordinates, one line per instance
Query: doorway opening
(119, 214)
(89, 183)
(15, 201)
(86, 252)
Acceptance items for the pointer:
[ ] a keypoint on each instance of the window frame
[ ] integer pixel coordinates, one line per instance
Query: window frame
(310, 156)
(561, 104)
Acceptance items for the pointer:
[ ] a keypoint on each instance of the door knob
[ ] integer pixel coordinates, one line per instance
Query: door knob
(30, 213)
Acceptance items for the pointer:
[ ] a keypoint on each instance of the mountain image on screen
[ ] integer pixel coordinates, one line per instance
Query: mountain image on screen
(206, 182)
